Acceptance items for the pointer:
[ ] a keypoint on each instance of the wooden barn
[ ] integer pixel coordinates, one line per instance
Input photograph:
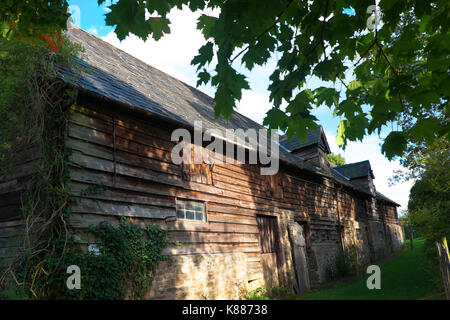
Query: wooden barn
(238, 229)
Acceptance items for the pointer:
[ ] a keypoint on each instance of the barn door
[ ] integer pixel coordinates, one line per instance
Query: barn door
(268, 236)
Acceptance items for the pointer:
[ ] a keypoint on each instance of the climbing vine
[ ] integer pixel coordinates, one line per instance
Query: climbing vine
(33, 108)
(122, 266)
(34, 105)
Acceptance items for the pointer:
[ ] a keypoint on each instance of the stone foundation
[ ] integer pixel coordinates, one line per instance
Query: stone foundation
(378, 244)
(204, 276)
(321, 261)
(396, 236)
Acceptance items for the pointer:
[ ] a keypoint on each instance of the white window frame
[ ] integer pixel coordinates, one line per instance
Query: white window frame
(194, 205)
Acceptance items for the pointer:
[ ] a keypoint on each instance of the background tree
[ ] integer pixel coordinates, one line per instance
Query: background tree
(429, 199)
(405, 221)
(372, 66)
(377, 72)
(34, 21)
(336, 159)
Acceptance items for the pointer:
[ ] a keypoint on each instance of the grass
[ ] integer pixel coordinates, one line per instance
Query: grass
(408, 276)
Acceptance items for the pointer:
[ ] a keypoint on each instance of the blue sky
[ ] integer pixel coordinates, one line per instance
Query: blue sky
(173, 53)
(92, 20)
(92, 16)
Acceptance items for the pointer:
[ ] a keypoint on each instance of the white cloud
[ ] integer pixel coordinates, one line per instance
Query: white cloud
(253, 105)
(369, 149)
(172, 53)
(92, 30)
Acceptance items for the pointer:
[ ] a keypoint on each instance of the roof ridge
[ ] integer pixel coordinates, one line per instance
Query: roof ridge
(352, 163)
(194, 89)
(120, 77)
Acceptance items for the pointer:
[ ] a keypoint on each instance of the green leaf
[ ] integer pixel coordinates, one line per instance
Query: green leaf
(128, 17)
(349, 108)
(276, 119)
(259, 53)
(224, 102)
(160, 6)
(425, 129)
(301, 103)
(394, 144)
(159, 27)
(328, 69)
(205, 24)
(230, 86)
(355, 84)
(329, 96)
(203, 77)
(205, 55)
(340, 136)
(301, 118)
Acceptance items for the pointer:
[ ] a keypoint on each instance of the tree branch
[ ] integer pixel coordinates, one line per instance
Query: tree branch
(364, 53)
(323, 27)
(383, 54)
(265, 31)
(321, 33)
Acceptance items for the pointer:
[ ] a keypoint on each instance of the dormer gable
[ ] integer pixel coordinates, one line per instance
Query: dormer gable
(314, 149)
(360, 173)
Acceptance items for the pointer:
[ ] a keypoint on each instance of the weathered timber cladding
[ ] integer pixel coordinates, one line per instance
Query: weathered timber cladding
(130, 159)
(147, 184)
(119, 133)
(13, 183)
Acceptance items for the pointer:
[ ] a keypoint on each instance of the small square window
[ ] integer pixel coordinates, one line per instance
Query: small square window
(190, 210)
(181, 210)
(190, 215)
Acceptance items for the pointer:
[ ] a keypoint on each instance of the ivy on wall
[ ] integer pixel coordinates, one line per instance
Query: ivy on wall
(33, 107)
(122, 268)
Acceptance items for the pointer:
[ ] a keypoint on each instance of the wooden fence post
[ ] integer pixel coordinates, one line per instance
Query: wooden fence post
(444, 260)
(411, 237)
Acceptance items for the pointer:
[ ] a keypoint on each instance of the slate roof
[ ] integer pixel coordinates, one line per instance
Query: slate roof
(313, 138)
(356, 170)
(383, 197)
(347, 182)
(114, 74)
(111, 73)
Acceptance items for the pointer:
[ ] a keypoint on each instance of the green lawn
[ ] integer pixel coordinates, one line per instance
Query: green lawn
(407, 276)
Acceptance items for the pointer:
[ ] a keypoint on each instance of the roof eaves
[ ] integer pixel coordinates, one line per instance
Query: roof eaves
(325, 139)
(340, 174)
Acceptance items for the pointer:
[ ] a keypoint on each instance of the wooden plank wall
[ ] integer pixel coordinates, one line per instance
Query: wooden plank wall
(131, 159)
(12, 185)
(143, 183)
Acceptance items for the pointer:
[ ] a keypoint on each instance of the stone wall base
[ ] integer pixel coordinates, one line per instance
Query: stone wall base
(204, 276)
(396, 236)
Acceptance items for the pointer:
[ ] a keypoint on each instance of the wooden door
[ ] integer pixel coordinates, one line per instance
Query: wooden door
(268, 236)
